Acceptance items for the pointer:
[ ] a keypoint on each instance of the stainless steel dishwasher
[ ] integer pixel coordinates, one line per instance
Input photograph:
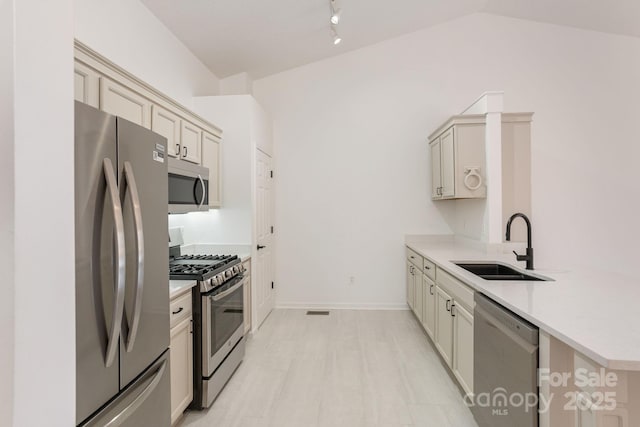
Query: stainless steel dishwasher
(505, 367)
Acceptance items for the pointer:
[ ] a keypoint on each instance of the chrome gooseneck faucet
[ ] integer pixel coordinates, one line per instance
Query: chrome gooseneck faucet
(529, 256)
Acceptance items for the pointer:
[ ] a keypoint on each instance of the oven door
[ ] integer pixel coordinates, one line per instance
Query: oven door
(222, 323)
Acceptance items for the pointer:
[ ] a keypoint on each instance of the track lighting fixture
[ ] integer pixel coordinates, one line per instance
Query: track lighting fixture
(336, 38)
(334, 20)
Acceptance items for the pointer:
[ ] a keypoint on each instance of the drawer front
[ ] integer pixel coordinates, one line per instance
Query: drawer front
(180, 309)
(458, 290)
(429, 269)
(414, 258)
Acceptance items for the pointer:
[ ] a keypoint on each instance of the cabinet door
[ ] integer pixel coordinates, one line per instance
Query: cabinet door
(447, 163)
(86, 85)
(463, 346)
(191, 142)
(211, 160)
(247, 297)
(181, 348)
(418, 292)
(167, 124)
(436, 177)
(429, 306)
(410, 284)
(444, 325)
(123, 102)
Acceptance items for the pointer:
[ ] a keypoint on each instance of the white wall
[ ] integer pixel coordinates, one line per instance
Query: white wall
(353, 169)
(128, 34)
(230, 224)
(44, 355)
(6, 211)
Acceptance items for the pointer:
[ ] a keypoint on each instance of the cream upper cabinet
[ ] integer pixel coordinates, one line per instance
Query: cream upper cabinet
(429, 306)
(436, 177)
(462, 365)
(86, 85)
(167, 124)
(458, 159)
(444, 325)
(447, 164)
(211, 159)
(191, 142)
(121, 101)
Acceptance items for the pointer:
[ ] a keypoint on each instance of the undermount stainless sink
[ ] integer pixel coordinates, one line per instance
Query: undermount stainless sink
(495, 271)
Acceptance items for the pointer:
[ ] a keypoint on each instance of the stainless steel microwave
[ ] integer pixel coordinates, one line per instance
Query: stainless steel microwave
(188, 187)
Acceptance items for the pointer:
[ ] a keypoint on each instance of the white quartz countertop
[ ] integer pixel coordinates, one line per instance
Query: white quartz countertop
(596, 313)
(179, 287)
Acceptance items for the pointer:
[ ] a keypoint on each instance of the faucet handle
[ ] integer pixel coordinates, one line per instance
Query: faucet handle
(520, 257)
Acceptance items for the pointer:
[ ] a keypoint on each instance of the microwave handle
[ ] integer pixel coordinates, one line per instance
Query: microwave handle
(203, 190)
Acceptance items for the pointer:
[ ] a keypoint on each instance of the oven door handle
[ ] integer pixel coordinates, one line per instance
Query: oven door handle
(232, 289)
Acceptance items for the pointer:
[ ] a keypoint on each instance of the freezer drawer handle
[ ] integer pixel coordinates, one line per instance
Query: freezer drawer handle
(118, 306)
(139, 400)
(137, 222)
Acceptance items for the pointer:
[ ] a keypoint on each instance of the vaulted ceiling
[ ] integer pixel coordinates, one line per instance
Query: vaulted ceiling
(265, 37)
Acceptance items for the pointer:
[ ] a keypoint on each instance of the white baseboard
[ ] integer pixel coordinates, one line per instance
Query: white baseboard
(340, 306)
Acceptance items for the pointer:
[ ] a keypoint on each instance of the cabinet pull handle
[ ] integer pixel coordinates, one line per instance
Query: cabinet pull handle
(178, 311)
(448, 307)
(427, 267)
(185, 151)
(177, 149)
(431, 289)
(452, 306)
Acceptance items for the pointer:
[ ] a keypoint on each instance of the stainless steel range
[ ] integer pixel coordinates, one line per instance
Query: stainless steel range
(218, 317)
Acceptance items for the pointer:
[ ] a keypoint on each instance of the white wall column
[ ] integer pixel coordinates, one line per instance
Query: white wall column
(492, 104)
(6, 211)
(44, 375)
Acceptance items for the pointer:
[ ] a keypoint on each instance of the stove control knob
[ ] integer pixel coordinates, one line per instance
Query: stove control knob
(220, 278)
(236, 269)
(227, 274)
(213, 281)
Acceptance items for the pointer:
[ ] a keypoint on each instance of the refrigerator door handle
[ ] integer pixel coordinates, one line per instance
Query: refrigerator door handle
(132, 189)
(203, 191)
(118, 306)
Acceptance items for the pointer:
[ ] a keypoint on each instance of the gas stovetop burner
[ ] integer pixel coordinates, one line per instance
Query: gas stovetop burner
(199, 267)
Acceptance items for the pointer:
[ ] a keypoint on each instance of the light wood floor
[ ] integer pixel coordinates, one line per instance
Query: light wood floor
(352, 368)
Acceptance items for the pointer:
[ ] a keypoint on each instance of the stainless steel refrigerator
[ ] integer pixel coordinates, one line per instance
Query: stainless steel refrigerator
(122, 289)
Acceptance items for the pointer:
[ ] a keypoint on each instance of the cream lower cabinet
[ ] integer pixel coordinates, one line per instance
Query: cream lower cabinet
(462, 365)
(247, 297)
(411, 293)
(429, 306)
(444, 325)
(181, 351)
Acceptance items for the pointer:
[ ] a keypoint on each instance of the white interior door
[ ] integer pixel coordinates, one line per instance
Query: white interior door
(264, 270)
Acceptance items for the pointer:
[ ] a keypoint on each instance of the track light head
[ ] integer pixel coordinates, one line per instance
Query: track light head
(335, 16)
(336, 38)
